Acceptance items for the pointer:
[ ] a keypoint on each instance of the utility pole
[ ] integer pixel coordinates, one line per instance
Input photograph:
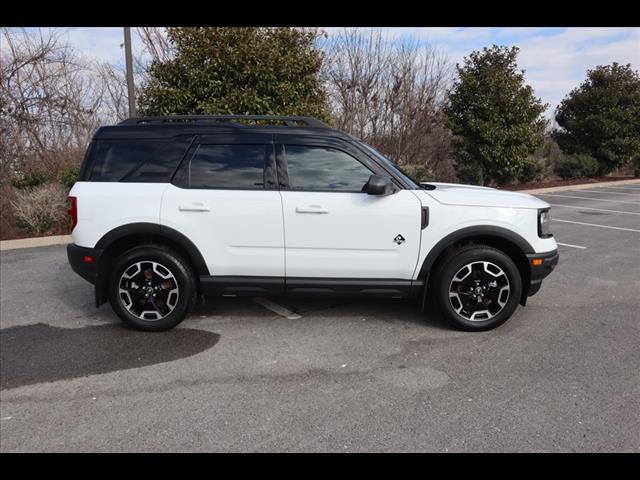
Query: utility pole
(129, 62)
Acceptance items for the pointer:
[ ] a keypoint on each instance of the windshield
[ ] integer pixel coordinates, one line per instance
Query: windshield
(398, 171)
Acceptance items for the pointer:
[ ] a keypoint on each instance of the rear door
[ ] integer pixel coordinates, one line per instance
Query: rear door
(224, 198)
(332, 228)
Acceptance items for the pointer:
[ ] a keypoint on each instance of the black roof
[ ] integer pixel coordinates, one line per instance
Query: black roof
(171, 125)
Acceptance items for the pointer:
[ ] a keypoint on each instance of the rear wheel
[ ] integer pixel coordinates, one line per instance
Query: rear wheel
(151, 288)
(477, 288)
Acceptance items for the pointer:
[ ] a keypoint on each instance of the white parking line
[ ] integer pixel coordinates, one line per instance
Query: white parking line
(603, 192)
(274, 307)
(587, 198)
(569, 245)
(595, 225)
(590, 208)
(622, 188)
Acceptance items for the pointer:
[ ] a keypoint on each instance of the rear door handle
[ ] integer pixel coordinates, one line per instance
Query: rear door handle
(194, 207)
(317, 209)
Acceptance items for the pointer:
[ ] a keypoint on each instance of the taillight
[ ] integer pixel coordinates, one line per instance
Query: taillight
(73, 211)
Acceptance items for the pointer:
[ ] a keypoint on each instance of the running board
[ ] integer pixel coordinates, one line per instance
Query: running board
(300, 286)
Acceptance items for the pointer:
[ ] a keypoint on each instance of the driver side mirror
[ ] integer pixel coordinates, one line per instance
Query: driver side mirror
(379, 185)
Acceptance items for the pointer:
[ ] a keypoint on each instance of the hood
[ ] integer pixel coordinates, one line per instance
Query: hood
(457, 194)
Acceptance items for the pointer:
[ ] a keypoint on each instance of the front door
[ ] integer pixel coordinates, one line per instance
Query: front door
(332, 228)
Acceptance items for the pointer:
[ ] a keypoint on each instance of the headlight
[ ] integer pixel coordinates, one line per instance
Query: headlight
(544, 223)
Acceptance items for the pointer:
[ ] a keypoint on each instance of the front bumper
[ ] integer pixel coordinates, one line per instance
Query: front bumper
(78, 259)
(540, 272)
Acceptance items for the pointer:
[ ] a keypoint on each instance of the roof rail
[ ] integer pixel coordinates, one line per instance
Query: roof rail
(289, 121)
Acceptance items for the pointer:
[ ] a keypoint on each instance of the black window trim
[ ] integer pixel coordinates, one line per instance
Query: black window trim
(269, 167)
(281, 159)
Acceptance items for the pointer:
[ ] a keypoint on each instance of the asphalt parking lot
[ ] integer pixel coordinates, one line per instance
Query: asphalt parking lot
(562, 375)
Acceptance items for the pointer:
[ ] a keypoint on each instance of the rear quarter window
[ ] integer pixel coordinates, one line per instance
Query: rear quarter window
(135, 160)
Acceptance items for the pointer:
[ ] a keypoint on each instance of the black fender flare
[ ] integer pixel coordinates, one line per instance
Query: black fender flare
(468, 232)
(154, 229)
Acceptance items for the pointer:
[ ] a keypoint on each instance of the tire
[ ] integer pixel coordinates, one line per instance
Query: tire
(485, 272)
(171, 281)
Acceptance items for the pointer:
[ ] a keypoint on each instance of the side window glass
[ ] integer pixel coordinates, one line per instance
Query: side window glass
(238, 167)
(322, 168)
(140, 160)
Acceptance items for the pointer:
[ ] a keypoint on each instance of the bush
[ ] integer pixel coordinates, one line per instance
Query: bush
(576, 166)
(69, 175)
(8, 228)
(30, 179)
(635, 165)
(421, 173)
(470, 173)
(531, 171)
(41, 209)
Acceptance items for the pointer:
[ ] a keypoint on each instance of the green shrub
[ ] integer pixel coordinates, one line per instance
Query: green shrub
(576, 166)
(470, 173)
(635, 164)
(531, 171)
(30, 179)
(69, 175)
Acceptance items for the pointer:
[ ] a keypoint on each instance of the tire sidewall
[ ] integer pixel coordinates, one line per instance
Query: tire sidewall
(459, 260)
(182, 274)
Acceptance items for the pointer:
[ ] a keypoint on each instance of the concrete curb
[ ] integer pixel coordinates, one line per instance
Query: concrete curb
(580, 186)
(34, 242)
(64, 239)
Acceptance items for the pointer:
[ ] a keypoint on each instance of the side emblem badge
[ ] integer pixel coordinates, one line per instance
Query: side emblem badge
(399, 239)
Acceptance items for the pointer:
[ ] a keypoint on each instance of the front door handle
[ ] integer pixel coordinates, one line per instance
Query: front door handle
(317, 209)
(194, 207)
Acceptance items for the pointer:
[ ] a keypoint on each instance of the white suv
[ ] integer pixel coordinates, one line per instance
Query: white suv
(169, 208)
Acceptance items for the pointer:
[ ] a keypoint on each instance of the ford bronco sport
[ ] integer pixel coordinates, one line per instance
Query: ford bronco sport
(170, 208)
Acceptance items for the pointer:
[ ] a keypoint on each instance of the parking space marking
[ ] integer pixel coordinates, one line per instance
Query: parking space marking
(605, 192)
(587, 198)
(623, 188)
(274, 307)
(569, 245)
(595, 225)
(601, 192)
(591, 208)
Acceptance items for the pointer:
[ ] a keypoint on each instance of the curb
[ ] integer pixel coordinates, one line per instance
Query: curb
(580, 186)
(64, 239)
(34, 242)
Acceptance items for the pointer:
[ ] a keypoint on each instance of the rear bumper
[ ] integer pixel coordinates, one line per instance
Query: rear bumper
(540, 272)
(78, 259)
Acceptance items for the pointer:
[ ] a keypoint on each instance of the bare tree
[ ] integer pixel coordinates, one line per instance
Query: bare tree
(51, 101)
(115, 102)
(390, 94)
(155, 43)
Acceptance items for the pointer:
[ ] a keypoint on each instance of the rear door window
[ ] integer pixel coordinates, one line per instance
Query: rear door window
(239, 167)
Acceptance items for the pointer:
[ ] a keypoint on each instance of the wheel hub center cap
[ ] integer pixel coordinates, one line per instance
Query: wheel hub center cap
(149, 290)
(478, 290)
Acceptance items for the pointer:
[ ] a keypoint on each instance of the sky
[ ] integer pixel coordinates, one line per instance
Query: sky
(555, 60)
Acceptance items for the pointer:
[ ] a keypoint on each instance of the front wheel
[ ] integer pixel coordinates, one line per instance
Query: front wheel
(151, 288)
(477, 288)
